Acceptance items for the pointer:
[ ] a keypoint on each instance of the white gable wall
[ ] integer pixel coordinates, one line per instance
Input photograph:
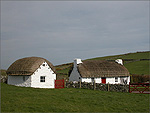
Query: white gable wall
(46, 71)
(24, 81)
(74, 76)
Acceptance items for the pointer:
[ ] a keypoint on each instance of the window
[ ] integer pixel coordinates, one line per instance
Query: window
(116, 79)
(42, 78)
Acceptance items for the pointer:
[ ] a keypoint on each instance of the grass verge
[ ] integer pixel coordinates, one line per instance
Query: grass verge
(22, 99)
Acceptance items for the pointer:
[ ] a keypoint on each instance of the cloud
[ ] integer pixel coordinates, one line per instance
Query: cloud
(62, 31)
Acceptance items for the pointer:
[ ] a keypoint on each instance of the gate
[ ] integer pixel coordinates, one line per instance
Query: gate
(59, 84)
(139, 88)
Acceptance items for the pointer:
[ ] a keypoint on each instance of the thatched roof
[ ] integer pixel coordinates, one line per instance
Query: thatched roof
(27, 66)
(98, 68)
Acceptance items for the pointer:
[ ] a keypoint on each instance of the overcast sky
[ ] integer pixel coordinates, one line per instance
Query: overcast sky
(61, 31)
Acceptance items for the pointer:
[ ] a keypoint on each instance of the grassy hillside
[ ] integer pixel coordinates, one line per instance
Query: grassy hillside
(137, 55)
(135, 66)
(21, 99)
(138, 67)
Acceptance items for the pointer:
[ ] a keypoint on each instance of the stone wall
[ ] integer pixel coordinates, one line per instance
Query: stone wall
(98, 86)
(4, 79)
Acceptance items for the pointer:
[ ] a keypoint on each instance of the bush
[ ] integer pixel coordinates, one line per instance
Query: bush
(139, 78)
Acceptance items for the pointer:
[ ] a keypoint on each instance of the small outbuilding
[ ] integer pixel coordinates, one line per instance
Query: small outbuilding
(100, 71)
(32, 72)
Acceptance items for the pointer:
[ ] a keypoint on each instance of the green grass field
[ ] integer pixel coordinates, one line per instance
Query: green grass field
(21, 99)
(139, 67)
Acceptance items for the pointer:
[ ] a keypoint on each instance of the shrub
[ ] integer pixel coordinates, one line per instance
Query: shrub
(140, 78)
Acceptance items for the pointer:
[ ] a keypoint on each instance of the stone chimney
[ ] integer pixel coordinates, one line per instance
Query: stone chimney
(77, 61)
(119, 61)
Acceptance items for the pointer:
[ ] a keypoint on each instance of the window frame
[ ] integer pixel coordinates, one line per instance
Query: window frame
(42, 78)
(116, 79)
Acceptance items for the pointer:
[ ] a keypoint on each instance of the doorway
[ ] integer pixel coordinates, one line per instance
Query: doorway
(103, 80)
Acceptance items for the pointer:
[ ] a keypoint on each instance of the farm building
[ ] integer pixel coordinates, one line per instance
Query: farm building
(32, 72)
(100, 72)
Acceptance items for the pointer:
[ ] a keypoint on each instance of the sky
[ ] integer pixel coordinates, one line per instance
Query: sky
(61, 31)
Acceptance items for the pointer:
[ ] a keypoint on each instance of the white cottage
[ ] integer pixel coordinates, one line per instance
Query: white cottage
(32, 72)
(100, 72)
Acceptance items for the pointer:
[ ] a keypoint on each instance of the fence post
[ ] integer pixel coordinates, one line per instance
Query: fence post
(66, 83)
(54, 83)
(63, 83)
(129, 87)
(80, 83)
(94, 85)
(108, 86)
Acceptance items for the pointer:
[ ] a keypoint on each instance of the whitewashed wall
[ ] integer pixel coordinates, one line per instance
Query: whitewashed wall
(110, 80)
(128, 79)
(125, 78)
(46, 71)
(97, 80)
(19, 80)
(86, 80)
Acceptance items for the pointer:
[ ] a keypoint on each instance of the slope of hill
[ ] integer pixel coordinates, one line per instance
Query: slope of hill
(137, 63)
(137, 55)
(138, 67)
